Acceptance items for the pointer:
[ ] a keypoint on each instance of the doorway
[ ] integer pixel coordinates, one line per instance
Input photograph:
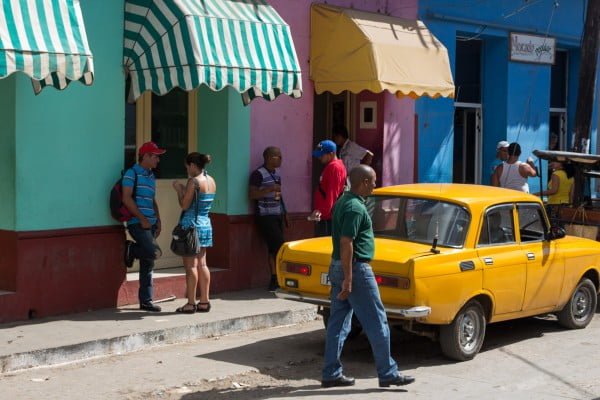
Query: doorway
(467, 144)
(170, 122)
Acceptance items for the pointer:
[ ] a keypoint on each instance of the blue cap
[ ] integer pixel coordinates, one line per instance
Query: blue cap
(324, 147)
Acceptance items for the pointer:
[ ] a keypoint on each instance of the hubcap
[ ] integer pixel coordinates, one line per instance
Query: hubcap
(469, 328)
(581, 304)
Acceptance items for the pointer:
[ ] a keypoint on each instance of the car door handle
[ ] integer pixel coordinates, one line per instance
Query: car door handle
(530, 256)
(488, 260)
(467, 265)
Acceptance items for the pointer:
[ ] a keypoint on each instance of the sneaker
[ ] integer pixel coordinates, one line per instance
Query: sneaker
(127, 255)
(150, 306)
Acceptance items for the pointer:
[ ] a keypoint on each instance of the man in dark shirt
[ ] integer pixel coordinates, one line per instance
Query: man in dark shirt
(265, 189)
(353, 286)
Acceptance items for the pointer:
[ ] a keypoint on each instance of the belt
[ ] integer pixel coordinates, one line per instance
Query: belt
(361, 260)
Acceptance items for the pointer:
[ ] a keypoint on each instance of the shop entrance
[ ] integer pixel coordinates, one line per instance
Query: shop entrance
(557, 135)
(331, 110)
(170, 122)
(467, 144)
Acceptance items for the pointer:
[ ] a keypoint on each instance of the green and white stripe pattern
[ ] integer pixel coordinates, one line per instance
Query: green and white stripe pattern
(186, 43)
(46, 40)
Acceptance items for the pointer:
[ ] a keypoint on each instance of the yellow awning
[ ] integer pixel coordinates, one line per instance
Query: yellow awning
(357, 50)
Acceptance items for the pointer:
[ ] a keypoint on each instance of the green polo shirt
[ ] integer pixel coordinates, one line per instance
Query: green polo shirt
(351, 219)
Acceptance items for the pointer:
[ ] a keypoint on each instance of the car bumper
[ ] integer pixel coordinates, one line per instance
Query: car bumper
(406, 313)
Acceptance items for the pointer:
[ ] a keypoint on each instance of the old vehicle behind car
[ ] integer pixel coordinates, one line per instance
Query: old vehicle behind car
(451, 258)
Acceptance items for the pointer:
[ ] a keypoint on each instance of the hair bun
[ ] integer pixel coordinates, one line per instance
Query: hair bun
(206, 158)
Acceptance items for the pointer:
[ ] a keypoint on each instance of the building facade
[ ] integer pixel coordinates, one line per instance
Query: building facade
(63, 150)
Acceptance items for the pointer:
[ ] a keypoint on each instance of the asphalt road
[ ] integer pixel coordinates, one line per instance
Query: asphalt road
(527, 359)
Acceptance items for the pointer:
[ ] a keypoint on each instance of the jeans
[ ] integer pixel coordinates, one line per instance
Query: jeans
(323, 228)
(146, 250)
(365, 301)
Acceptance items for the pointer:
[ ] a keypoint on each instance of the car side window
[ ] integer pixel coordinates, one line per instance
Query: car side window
(531, 222)
(498, 227)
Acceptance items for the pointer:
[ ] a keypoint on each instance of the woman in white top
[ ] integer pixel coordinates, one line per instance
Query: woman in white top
(512, 173)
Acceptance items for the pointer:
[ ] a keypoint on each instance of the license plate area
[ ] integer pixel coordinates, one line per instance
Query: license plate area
(325, 279)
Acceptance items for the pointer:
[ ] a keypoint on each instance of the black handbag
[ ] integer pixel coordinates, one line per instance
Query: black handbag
(184, 241)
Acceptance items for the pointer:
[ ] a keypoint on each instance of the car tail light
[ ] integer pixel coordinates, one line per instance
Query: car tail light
(392, 281)
(294, 268)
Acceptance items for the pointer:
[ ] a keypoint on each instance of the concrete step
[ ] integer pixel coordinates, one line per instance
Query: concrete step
(126, 329)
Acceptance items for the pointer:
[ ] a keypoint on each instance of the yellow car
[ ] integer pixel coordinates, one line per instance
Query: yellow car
(451, 258)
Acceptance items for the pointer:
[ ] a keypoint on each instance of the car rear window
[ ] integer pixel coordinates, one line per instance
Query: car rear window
(419, 220)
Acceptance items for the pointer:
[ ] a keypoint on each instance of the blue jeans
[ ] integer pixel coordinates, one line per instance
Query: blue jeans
(365, 301)
(146, 250)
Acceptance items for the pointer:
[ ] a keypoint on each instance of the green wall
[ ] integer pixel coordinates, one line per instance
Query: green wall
(224, 133)
(7, 153)
(69, 144)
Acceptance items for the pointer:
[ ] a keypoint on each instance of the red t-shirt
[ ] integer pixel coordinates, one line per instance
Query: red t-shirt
(331, 185)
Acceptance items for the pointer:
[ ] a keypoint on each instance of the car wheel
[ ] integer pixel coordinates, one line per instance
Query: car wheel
(579, 311)
(355, 328)
(462, 339)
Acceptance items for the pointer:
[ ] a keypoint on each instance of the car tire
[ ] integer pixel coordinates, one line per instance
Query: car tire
(580, 309)
(355, 328)
(462, 339)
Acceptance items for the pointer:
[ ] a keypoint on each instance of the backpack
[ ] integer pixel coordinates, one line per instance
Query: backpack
(118, 210)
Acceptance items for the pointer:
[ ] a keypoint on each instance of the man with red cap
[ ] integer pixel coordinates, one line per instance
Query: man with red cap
(139, 189)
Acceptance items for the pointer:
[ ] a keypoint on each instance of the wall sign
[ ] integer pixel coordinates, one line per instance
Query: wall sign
(532, 48)
(368, 115)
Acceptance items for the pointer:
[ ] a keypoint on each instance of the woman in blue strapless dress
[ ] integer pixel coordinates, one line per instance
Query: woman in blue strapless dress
(195, 199)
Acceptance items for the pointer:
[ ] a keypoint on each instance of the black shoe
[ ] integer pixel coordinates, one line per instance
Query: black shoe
(399, 380)
(149, 306)
(128, 256)
(341, 381)
(273, 285)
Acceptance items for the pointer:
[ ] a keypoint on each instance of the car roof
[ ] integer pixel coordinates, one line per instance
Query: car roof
(457, 192)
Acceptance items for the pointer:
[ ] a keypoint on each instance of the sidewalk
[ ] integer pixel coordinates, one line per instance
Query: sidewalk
(105, 332)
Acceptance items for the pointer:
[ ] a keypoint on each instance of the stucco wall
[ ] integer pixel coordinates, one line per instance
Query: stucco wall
(515, 96)
(69, 144)
(7, 153)
(288, 123)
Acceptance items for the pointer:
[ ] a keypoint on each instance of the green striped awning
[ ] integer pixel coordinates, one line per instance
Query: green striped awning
(46, 40)
(187, 43)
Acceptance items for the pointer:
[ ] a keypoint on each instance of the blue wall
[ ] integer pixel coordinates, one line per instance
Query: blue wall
(515, 96)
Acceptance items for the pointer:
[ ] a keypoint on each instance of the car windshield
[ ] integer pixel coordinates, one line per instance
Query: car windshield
(419, 220)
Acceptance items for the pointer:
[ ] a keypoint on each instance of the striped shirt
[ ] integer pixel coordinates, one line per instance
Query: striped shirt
(144, 192)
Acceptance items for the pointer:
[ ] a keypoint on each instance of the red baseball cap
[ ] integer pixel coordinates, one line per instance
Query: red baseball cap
(151, 147)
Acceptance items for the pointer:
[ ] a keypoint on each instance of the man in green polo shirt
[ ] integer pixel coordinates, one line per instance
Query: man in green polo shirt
(353, 286)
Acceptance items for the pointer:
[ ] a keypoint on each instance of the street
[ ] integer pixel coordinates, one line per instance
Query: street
(527, 359)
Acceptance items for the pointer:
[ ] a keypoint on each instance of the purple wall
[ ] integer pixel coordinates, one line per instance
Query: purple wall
(288, 123)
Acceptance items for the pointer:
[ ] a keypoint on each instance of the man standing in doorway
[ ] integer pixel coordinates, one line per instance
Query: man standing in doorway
(512, 173)
(330, 187)
(353, 287)
(145, 225)
(265, 189)
(351, 154)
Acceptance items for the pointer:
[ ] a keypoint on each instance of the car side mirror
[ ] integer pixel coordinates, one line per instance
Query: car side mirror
(555, 232)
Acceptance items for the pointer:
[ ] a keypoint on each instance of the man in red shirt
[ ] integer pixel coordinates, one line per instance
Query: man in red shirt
(330, 187)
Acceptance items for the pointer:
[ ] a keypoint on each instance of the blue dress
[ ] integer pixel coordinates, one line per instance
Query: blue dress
(202, 221)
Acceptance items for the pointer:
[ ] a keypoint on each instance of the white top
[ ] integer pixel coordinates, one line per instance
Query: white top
(351, 154)
(512, 179)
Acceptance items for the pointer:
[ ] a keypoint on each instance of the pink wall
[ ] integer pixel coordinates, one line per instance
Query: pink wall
(288, 123)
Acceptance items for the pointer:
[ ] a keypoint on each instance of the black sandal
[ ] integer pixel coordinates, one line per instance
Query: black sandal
(187, 308)
(203, 307)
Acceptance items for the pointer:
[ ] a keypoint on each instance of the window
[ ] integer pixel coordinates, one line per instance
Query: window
(498, 227)
(419, 220)
(532, 225)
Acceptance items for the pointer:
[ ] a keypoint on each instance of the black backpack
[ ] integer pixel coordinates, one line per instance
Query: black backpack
(118, 210)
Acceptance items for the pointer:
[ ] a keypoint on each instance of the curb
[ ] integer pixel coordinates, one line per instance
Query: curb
(143, 340)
